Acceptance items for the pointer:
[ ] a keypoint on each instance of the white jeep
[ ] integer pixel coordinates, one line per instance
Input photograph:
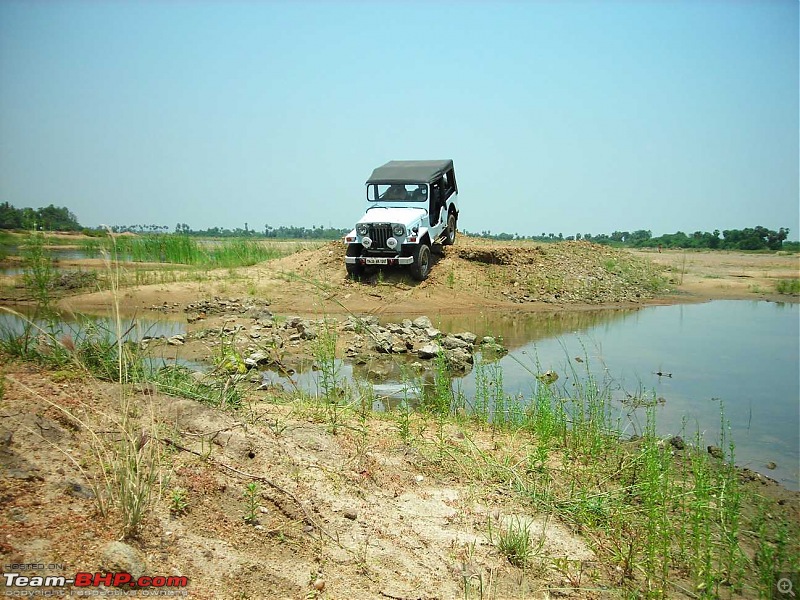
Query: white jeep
(411, 205)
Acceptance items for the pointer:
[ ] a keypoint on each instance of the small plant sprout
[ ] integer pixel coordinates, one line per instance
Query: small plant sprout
(178, 501)
(250, 496)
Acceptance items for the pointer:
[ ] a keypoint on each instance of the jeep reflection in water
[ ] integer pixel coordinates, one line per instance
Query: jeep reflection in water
(411, 205)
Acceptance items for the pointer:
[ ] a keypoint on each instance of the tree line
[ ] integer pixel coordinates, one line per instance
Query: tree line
(54, 218)
(49, 218)
(750, 238)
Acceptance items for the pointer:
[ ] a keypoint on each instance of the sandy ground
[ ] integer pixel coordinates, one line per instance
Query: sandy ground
(721, 275)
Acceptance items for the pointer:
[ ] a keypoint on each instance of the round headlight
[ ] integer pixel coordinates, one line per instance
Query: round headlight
(398, 230)
(391, 243)
(362, 229)
(366, 242)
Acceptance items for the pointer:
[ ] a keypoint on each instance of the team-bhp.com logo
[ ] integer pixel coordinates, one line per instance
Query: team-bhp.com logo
(93, 580)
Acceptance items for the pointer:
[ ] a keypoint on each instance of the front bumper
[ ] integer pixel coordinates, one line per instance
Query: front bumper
(379, 260)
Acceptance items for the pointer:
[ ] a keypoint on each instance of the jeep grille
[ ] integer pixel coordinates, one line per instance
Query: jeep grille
(379, 234)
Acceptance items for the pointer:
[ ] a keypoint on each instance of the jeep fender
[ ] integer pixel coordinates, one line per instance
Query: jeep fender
(422, 233)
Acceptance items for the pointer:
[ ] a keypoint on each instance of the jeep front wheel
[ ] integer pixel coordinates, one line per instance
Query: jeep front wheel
(450, 239)
(422, 262)
(354, 270)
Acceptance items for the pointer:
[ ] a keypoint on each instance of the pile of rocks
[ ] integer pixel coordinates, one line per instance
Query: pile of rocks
(251, 307)
(417, 337)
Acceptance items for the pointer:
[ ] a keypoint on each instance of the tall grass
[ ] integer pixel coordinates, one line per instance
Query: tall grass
(182, 249)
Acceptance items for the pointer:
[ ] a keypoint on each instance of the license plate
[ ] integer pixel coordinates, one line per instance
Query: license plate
(371, 260)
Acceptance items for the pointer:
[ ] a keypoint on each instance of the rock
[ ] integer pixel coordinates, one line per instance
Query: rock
(177, 340)
(432, 333)
(383, 342)
(493, 349)
(716, 452)
(422, 323)
(120, 557)
(79, 490)
(467, 336)
(451, 342)
(258, 358)
(488, 340)
(429, 351)
(309, 334)
(548, 377)
(350, 514)
(772, 466)
(292, 322)
(677, 442)
(259, 314)
(459, 359)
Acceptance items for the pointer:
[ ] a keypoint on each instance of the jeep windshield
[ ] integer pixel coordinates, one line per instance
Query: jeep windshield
(397, 192)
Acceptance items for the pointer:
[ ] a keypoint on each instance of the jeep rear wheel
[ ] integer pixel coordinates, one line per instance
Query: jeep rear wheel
(422, 262)
(354, 270)
(450, 239)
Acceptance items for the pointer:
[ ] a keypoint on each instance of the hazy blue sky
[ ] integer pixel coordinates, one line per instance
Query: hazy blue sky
(561, 116)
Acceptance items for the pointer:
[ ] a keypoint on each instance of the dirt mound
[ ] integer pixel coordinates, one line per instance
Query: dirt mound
(499, 256)
(478, 271)
(473, 275)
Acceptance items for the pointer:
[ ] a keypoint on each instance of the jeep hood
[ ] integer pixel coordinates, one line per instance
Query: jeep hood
(393, 214)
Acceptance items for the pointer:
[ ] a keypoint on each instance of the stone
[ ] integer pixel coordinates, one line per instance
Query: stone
(382, 342)
(422, 323)
(467, 336)
(432, 333)
(459, 359)
(451, 342)
(79, 490)
(429, 351)
(120, 557)
(716, 452)
(259, 358)
(677, 442)
(772, 466)
(177, 340)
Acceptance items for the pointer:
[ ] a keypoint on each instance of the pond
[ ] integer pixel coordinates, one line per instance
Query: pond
(695, 360)
(738, 355)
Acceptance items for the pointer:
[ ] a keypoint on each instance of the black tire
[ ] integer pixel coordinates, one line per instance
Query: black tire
(452, 221)
(354, 270)
(422, 262)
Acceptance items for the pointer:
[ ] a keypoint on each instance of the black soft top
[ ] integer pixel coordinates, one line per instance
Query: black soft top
(410, 171)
